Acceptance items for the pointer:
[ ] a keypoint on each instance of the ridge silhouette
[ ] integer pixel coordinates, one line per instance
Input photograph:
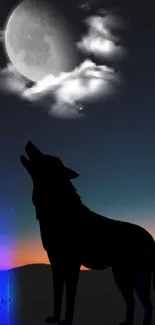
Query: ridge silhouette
(73, 235)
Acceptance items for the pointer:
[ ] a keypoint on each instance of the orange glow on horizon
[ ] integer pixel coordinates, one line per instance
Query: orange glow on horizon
(32, 252)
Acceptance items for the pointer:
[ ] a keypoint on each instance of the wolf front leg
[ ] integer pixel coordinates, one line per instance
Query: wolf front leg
(58, 285)
(71, 281)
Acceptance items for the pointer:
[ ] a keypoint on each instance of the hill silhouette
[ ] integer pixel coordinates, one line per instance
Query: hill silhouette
(98, 299)
(63, 218)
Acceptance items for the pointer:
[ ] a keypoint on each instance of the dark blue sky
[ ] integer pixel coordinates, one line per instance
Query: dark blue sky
(113, 149)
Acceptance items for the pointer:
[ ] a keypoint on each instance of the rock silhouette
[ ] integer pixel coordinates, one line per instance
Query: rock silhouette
(73, 235)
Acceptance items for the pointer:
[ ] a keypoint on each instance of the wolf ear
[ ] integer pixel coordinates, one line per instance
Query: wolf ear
(71, 173)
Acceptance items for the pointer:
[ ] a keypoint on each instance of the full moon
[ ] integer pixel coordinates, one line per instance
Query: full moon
(38, 41)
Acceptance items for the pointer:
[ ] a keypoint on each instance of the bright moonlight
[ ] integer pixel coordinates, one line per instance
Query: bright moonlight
(38, 41)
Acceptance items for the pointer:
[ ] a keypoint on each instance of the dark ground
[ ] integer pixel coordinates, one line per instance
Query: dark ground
(98, 300)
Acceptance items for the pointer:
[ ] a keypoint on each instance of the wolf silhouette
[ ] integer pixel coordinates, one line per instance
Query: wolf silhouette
(73, 235)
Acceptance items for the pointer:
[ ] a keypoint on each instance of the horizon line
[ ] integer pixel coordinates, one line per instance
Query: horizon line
(82, 268)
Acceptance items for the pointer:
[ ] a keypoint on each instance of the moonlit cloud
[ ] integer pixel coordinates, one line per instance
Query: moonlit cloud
(99, 40)
(11, 81)
(67, 94)
(69, 90)
(1, 36)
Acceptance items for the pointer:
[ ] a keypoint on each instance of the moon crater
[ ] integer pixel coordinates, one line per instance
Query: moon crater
(38, 42)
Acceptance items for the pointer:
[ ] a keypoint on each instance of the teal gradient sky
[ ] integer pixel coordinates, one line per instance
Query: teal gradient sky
(113, 150)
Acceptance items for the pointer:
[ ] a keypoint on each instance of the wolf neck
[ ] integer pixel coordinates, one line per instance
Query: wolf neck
(65, 195)
(69, 202)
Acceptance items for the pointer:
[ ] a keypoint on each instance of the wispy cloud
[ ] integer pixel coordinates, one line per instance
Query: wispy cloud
(1, 35)
(66, 94)
(11, 81)
(100, 40)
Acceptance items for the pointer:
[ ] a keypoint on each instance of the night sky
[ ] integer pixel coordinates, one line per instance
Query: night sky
(112, 148)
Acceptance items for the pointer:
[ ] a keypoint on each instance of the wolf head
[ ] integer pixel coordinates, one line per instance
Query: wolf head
(51, 181)
(38, 164)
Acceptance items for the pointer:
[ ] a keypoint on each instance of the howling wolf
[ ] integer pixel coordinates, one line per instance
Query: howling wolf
(73, 235)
